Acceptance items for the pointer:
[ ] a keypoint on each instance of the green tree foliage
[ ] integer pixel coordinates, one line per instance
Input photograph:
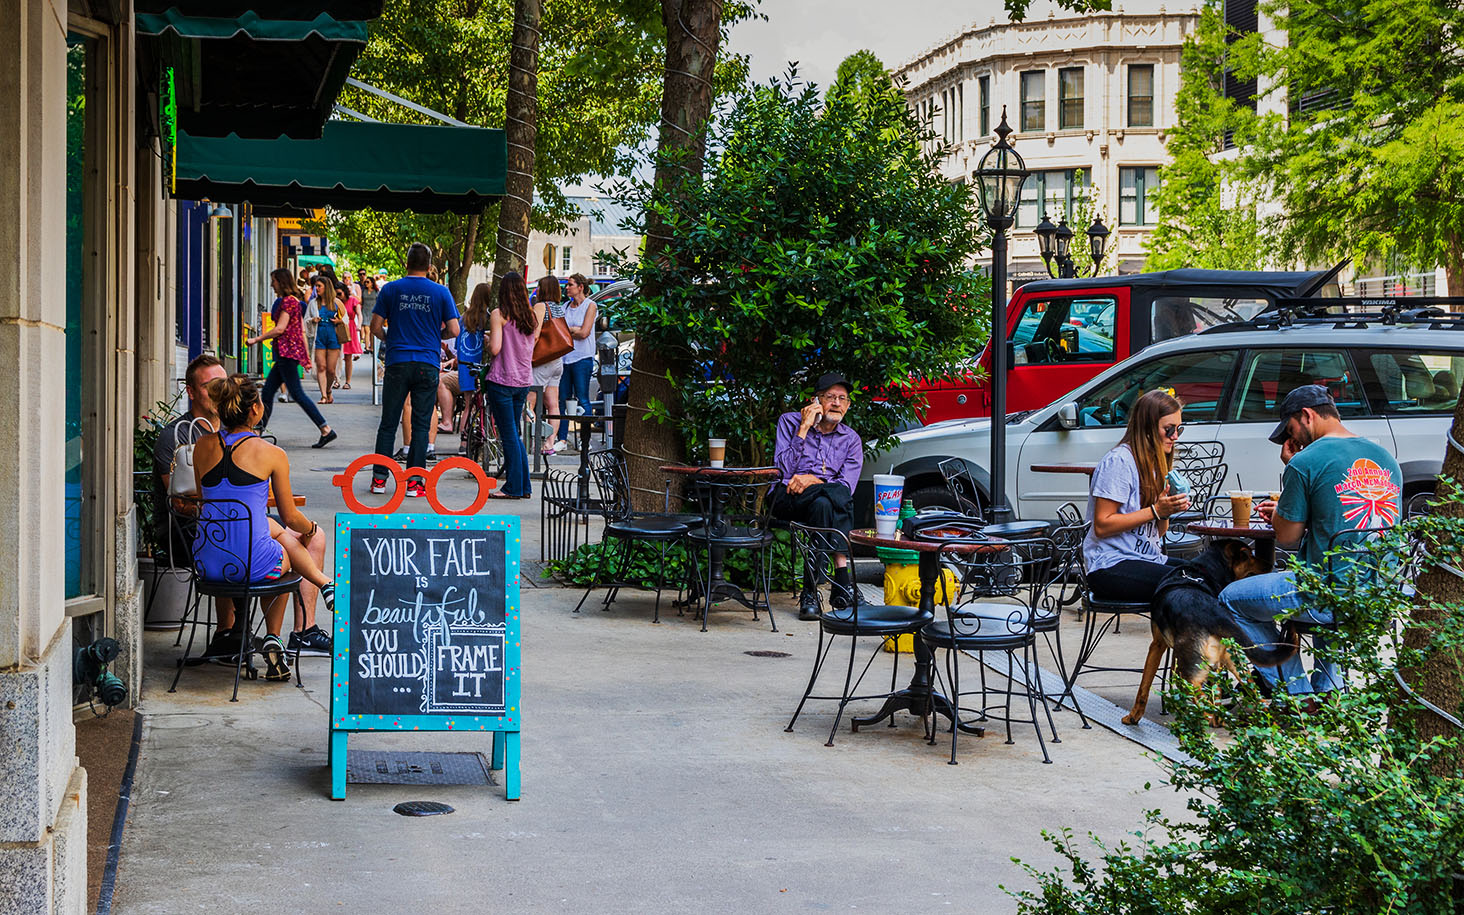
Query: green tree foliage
(1207, 215)
(1017, 9)
(822, 238)
(1370, 161)
(861, 74)
(1342, 809)
(598, 90)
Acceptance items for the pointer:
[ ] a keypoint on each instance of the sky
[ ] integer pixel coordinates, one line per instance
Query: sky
(821, 33)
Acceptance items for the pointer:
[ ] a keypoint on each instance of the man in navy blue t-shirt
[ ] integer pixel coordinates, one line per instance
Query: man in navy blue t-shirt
(412, 316)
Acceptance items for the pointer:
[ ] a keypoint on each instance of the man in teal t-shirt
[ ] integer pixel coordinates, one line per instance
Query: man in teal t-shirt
(1335, 482)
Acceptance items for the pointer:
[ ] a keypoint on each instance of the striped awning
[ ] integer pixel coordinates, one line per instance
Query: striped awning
(306, 244)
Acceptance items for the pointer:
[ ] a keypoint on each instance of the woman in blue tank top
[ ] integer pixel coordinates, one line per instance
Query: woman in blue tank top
(244, 544)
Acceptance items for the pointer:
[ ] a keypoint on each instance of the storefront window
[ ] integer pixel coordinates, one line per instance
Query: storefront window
(80, 574)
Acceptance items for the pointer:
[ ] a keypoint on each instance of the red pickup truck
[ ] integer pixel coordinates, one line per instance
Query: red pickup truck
(1064, 332)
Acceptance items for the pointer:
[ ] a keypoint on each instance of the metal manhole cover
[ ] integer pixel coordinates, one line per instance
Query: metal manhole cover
(769, 654)
(421, 808)
(391, 767)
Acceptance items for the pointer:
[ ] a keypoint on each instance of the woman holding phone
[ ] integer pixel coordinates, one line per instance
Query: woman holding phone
(1130, 504)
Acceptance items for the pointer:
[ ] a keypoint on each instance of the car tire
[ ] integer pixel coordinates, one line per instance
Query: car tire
(933, 497)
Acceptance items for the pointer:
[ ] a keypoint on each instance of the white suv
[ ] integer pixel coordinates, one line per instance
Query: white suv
(1395, 381)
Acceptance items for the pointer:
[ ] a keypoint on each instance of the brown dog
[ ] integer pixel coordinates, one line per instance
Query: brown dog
(1189, 618)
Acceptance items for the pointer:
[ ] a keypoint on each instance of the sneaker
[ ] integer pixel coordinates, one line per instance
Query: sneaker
(416, 489)
(325, 439)
(378, 487)
(312, 642)
(327, 594)
(561, 446)
(808, 606)
(276, 666)
(401, 456)
(431, 453)
(223, 647)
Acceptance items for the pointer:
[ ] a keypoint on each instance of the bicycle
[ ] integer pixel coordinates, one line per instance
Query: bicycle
(480, 441)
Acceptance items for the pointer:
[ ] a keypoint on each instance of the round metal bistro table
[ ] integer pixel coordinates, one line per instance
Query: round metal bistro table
(919, 697)
(721, 588)
(586, 422)
(1262, 535)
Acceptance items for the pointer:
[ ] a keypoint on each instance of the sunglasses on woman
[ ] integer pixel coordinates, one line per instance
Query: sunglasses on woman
(1174, 431)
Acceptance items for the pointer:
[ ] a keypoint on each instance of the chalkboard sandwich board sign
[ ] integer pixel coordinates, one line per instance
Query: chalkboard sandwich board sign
(426, 631)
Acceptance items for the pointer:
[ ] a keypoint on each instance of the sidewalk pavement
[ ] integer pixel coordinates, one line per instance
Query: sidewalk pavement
(656, 777)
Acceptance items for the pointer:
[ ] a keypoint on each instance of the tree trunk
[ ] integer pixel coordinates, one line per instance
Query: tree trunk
(1438, 678)
(521, 128)
(460, 260)
(693, 32)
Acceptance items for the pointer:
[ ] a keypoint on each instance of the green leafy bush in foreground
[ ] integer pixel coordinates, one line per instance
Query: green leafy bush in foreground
(1343, 810)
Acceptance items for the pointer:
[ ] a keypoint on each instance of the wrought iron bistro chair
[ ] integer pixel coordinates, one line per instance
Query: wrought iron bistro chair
(854, 621)
(736, 511)
(560, 514)
(1110, 612)
(1001, 617)
(960, 486)
(215, 519)
(629, 528)
(1203, 464)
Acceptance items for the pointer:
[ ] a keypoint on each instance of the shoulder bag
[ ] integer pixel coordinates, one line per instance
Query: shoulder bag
(554, 341)
(183, 481)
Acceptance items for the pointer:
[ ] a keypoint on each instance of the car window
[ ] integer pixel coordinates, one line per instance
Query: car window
(1063, 330)
(1175, 316)
(1270, 374)
(1197, 378)
(1426, 382)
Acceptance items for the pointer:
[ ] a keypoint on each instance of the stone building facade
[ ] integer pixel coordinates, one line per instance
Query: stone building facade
(1090, 99)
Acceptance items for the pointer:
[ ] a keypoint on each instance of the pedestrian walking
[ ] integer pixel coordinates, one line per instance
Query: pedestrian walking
(546, 376)
(512, 329)
(327, 336)
(351, 348)
(289, 336)
(579, 363)
(412, 315)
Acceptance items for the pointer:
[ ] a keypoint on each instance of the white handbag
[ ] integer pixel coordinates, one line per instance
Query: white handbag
(183, 481)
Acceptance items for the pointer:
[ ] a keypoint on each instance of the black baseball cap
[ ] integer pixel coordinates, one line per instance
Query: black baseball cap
(1308, 395)
(829, 379)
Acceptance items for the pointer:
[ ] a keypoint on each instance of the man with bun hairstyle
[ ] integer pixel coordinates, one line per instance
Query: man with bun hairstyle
(821, 459)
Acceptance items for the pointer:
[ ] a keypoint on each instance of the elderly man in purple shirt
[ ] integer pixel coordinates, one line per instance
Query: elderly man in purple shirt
(821, 459)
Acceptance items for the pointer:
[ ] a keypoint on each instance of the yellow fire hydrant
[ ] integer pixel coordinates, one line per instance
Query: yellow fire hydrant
(902, 588)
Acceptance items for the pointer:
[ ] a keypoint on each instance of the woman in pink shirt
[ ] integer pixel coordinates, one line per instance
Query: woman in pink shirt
(289, 336)
(513, 327)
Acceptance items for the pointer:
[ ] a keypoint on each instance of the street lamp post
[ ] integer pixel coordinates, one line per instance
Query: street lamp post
(1056, 242)
(1000, 177)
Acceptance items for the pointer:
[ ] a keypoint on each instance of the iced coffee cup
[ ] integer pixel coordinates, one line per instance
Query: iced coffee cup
(717, 452)
(1240, 507)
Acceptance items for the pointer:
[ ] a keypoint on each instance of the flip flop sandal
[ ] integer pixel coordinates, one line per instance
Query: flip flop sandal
(503, 495)
(335, 384)
(346, 386)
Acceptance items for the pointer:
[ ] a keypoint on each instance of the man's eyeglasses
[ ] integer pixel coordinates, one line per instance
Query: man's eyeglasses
(1173, 431)
(834, 398)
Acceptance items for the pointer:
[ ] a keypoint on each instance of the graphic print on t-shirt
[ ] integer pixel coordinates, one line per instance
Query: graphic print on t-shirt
(1368, 495)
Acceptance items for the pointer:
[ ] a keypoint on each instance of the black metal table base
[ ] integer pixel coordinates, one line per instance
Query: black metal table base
(921, 703)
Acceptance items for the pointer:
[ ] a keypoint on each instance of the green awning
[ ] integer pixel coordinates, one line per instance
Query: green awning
(249, 25)
(307, 260)
(352, 166)
(248, 70)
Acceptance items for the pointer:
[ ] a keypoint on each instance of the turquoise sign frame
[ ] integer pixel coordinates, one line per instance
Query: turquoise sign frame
(505, 727)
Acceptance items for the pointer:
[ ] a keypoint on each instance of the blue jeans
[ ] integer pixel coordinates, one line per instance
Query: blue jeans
(507, 405)
(287, 372)
(1254, 603)
(402, 379)
(575, 382)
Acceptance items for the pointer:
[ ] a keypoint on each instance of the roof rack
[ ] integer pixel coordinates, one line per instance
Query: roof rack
(1434, 312)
